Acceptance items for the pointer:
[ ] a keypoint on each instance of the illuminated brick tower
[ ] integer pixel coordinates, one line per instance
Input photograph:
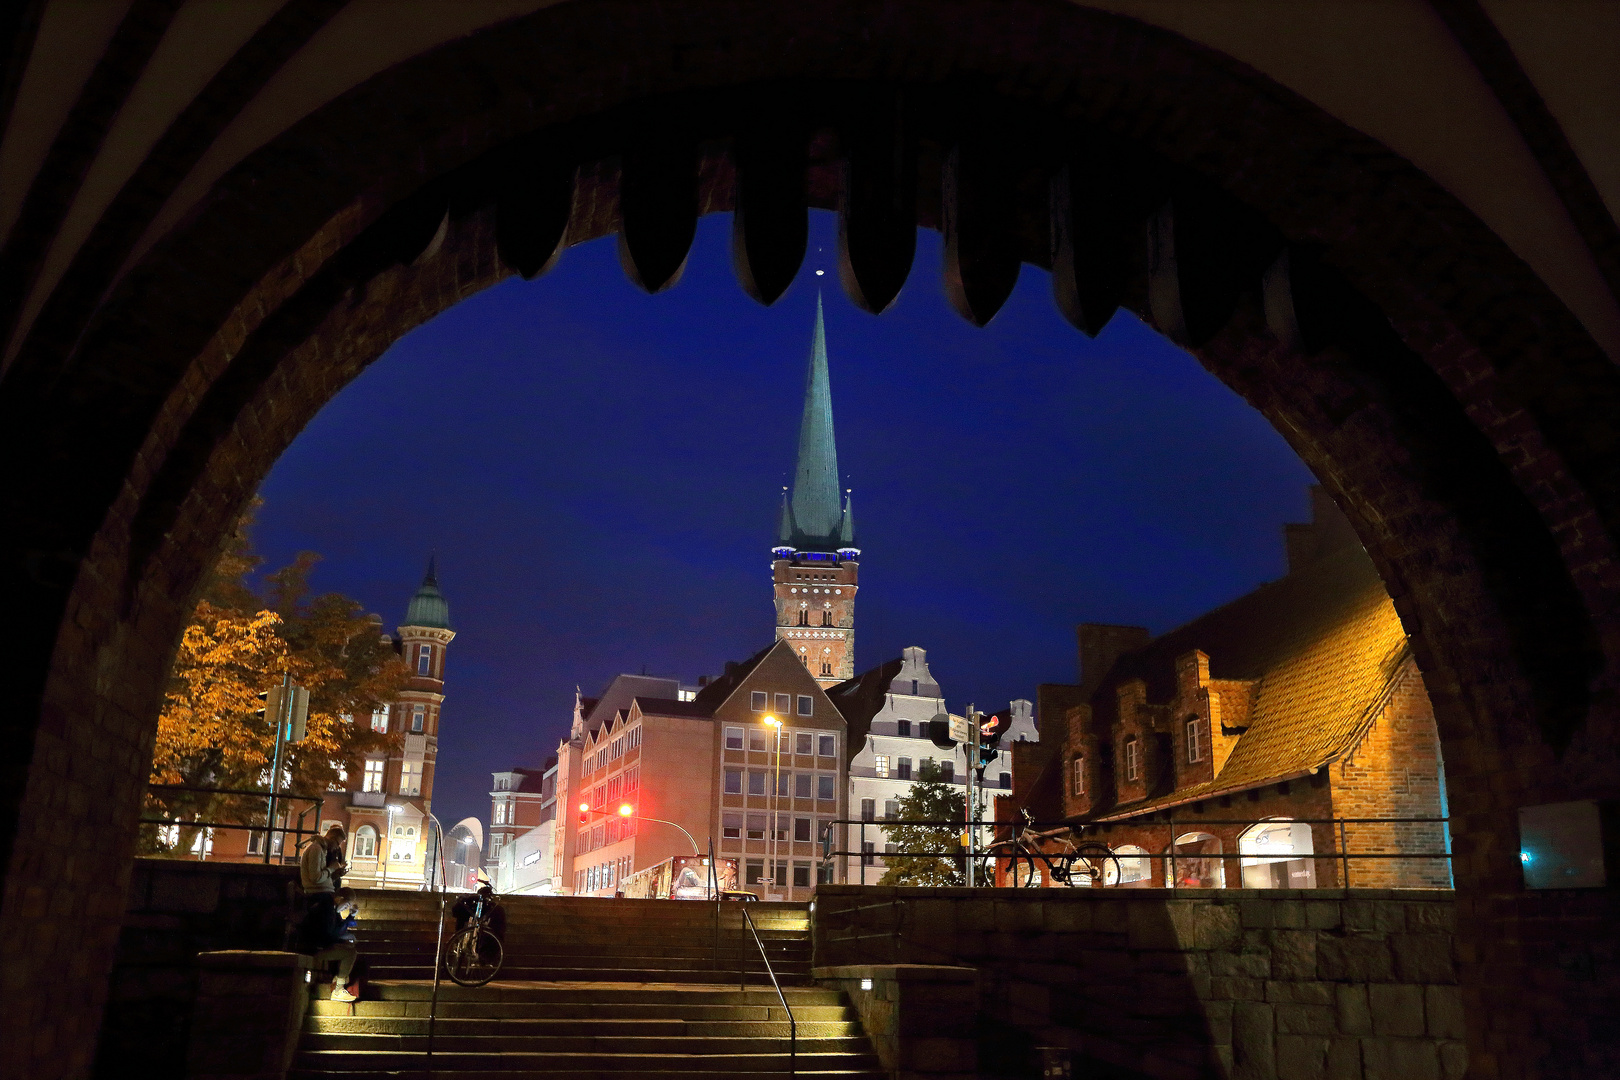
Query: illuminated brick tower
(815, 563)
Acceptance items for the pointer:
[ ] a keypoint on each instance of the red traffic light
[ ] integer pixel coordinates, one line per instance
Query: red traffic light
(625, 810)
(584, 813)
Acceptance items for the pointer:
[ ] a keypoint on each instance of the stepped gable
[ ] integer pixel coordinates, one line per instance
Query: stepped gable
(1321, 647)
(859, 699)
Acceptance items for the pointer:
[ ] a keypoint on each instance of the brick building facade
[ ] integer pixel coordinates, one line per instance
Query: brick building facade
(1236, 750)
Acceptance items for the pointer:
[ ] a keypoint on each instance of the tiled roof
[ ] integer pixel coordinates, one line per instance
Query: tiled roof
(859, 699)
(1323, 643)
(714, 695)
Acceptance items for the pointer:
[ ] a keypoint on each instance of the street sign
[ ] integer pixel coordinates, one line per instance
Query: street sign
(960, 731)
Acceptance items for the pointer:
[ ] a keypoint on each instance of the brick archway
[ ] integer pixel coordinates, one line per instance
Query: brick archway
(1457, 411)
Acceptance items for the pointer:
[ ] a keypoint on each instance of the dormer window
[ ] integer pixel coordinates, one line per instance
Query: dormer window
(1133, 759)
(1195, 743)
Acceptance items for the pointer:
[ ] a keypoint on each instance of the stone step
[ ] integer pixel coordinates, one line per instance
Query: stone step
(360, 1072)
(660, 1023)
(573, 1012)
(351, 1062)
(651, 991)
(696, 974)
(751, 1042)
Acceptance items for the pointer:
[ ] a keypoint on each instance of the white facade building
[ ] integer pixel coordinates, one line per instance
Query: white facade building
(525, 865)
(883, 771)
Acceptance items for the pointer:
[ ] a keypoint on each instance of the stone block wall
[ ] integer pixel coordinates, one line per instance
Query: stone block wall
(248, 1015)
(1248, 984)
(920, 1017)
(175, 910)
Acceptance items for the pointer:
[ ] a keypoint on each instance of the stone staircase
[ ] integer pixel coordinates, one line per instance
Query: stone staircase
(589, 988)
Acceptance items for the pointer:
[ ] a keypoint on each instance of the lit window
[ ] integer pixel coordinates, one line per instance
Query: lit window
(424, 659)
(880, 764)
(1079, 768)
(807, 705)
(418, 718)
(379, 718)
(1195, 746)
(410, 778)
(758, 700)
(734, 739)
(373, 779)
(340, 776)
(1133, 763)
(365, 842)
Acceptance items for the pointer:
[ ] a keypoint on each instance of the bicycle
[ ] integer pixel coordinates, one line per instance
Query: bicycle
(1089, 861)
(474, 954)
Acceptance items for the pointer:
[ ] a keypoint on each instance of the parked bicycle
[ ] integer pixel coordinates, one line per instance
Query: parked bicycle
(1088, 862)
(474, 954)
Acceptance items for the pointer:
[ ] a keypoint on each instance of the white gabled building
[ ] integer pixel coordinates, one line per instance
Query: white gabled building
(897, 701)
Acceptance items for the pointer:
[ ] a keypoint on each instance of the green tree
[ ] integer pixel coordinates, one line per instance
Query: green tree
(930, 799)
(212, 732)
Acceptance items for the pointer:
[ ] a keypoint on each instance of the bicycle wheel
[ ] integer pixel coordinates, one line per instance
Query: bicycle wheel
(1027, 871)
(1097, 863)
(473, 957)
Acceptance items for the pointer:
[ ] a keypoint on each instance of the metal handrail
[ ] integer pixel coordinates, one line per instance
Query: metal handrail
(793, 1025)
(438, 950)
(315, 805)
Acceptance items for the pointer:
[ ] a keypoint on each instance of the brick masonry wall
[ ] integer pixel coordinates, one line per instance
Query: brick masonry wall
(1395, 772)
(1261, 985)
(177, 909)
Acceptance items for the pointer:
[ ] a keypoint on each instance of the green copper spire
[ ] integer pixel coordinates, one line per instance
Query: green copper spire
(429, 607)
(814, 506)
(846, 532)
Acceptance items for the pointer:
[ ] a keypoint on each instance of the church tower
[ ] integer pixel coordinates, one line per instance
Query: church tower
(815, 563)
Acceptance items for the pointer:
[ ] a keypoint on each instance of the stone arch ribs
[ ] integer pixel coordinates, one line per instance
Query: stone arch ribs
(1455, 408)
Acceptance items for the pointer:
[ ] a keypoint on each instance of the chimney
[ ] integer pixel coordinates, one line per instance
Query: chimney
(1100, 646)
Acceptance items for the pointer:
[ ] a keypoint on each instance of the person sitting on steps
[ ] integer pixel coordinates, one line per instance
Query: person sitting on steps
(322, 931)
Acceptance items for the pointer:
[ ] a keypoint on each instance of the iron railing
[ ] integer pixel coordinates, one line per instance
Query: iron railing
(314, 802)
(742, 971)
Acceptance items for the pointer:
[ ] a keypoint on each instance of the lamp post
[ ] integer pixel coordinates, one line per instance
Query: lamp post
(628, 811)
(776, 787)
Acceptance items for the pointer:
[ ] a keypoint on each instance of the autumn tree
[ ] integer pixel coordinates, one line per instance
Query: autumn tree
(930, 799)
(212, 732)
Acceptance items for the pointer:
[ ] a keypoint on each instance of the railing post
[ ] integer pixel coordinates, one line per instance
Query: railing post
(1172, 823)
(1344, 856)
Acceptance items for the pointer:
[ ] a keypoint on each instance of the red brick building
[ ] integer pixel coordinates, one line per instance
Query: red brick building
(1203, 756)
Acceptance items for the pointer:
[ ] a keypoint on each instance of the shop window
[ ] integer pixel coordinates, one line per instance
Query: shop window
(1275, 855)
(1135, 867)
(1197, 863)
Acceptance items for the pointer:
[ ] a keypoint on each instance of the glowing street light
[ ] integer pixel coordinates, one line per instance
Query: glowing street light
(776, 786)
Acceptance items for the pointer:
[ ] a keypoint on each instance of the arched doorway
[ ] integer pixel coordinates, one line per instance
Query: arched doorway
(1276, 855)
(1455, 408)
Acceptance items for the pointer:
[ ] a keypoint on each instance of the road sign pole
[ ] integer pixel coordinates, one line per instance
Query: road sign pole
(284, 707)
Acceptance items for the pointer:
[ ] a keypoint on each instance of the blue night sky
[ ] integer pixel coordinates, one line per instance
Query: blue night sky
(599, 472)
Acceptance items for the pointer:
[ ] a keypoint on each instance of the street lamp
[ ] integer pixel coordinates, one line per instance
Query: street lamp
(776, 787)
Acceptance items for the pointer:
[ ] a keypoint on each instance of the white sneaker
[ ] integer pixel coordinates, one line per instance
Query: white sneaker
(341, 993)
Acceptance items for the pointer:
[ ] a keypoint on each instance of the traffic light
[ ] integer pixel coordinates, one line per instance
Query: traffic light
(626, 810)
(989, 735)
(584, 813)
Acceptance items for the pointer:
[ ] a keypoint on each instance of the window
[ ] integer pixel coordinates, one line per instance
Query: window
(826, 618)
(1135, 867)
(756, 783)
(913, 687)
(758, 700)
(1274, 855)
(804, 743)
(880, 764)
(801, 785)
(502, 783)
(632, 780)
(1079, 774)
(734, 740)
(615, 787)
(784, 784)
(1195, 747)
(611, 832)
(365, 843)
(754, 872)
(807, 705)
(373, 779)
(424, 659)
(903, 728)
(784, 744)
(1133, 756)
(756, 740)
(824, 787)
(379, 718)
(947, 772)
(801, 875)
(596, 837)
(1006, 781)
(781, 869)
(826, 668)
(827, 745)
(340, 776)
(731, 825)
(733, 781)
(784, 826)
(784, 704)
(756, 826)
(804, 617)
(801, 830)
(599, 797)
(891, 809)
(1197, 863)
(902, 768)
(868, 853)
(868, 810)
(418, 718)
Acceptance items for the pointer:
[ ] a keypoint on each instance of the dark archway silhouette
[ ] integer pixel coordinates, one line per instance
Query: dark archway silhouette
(1452, 405)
